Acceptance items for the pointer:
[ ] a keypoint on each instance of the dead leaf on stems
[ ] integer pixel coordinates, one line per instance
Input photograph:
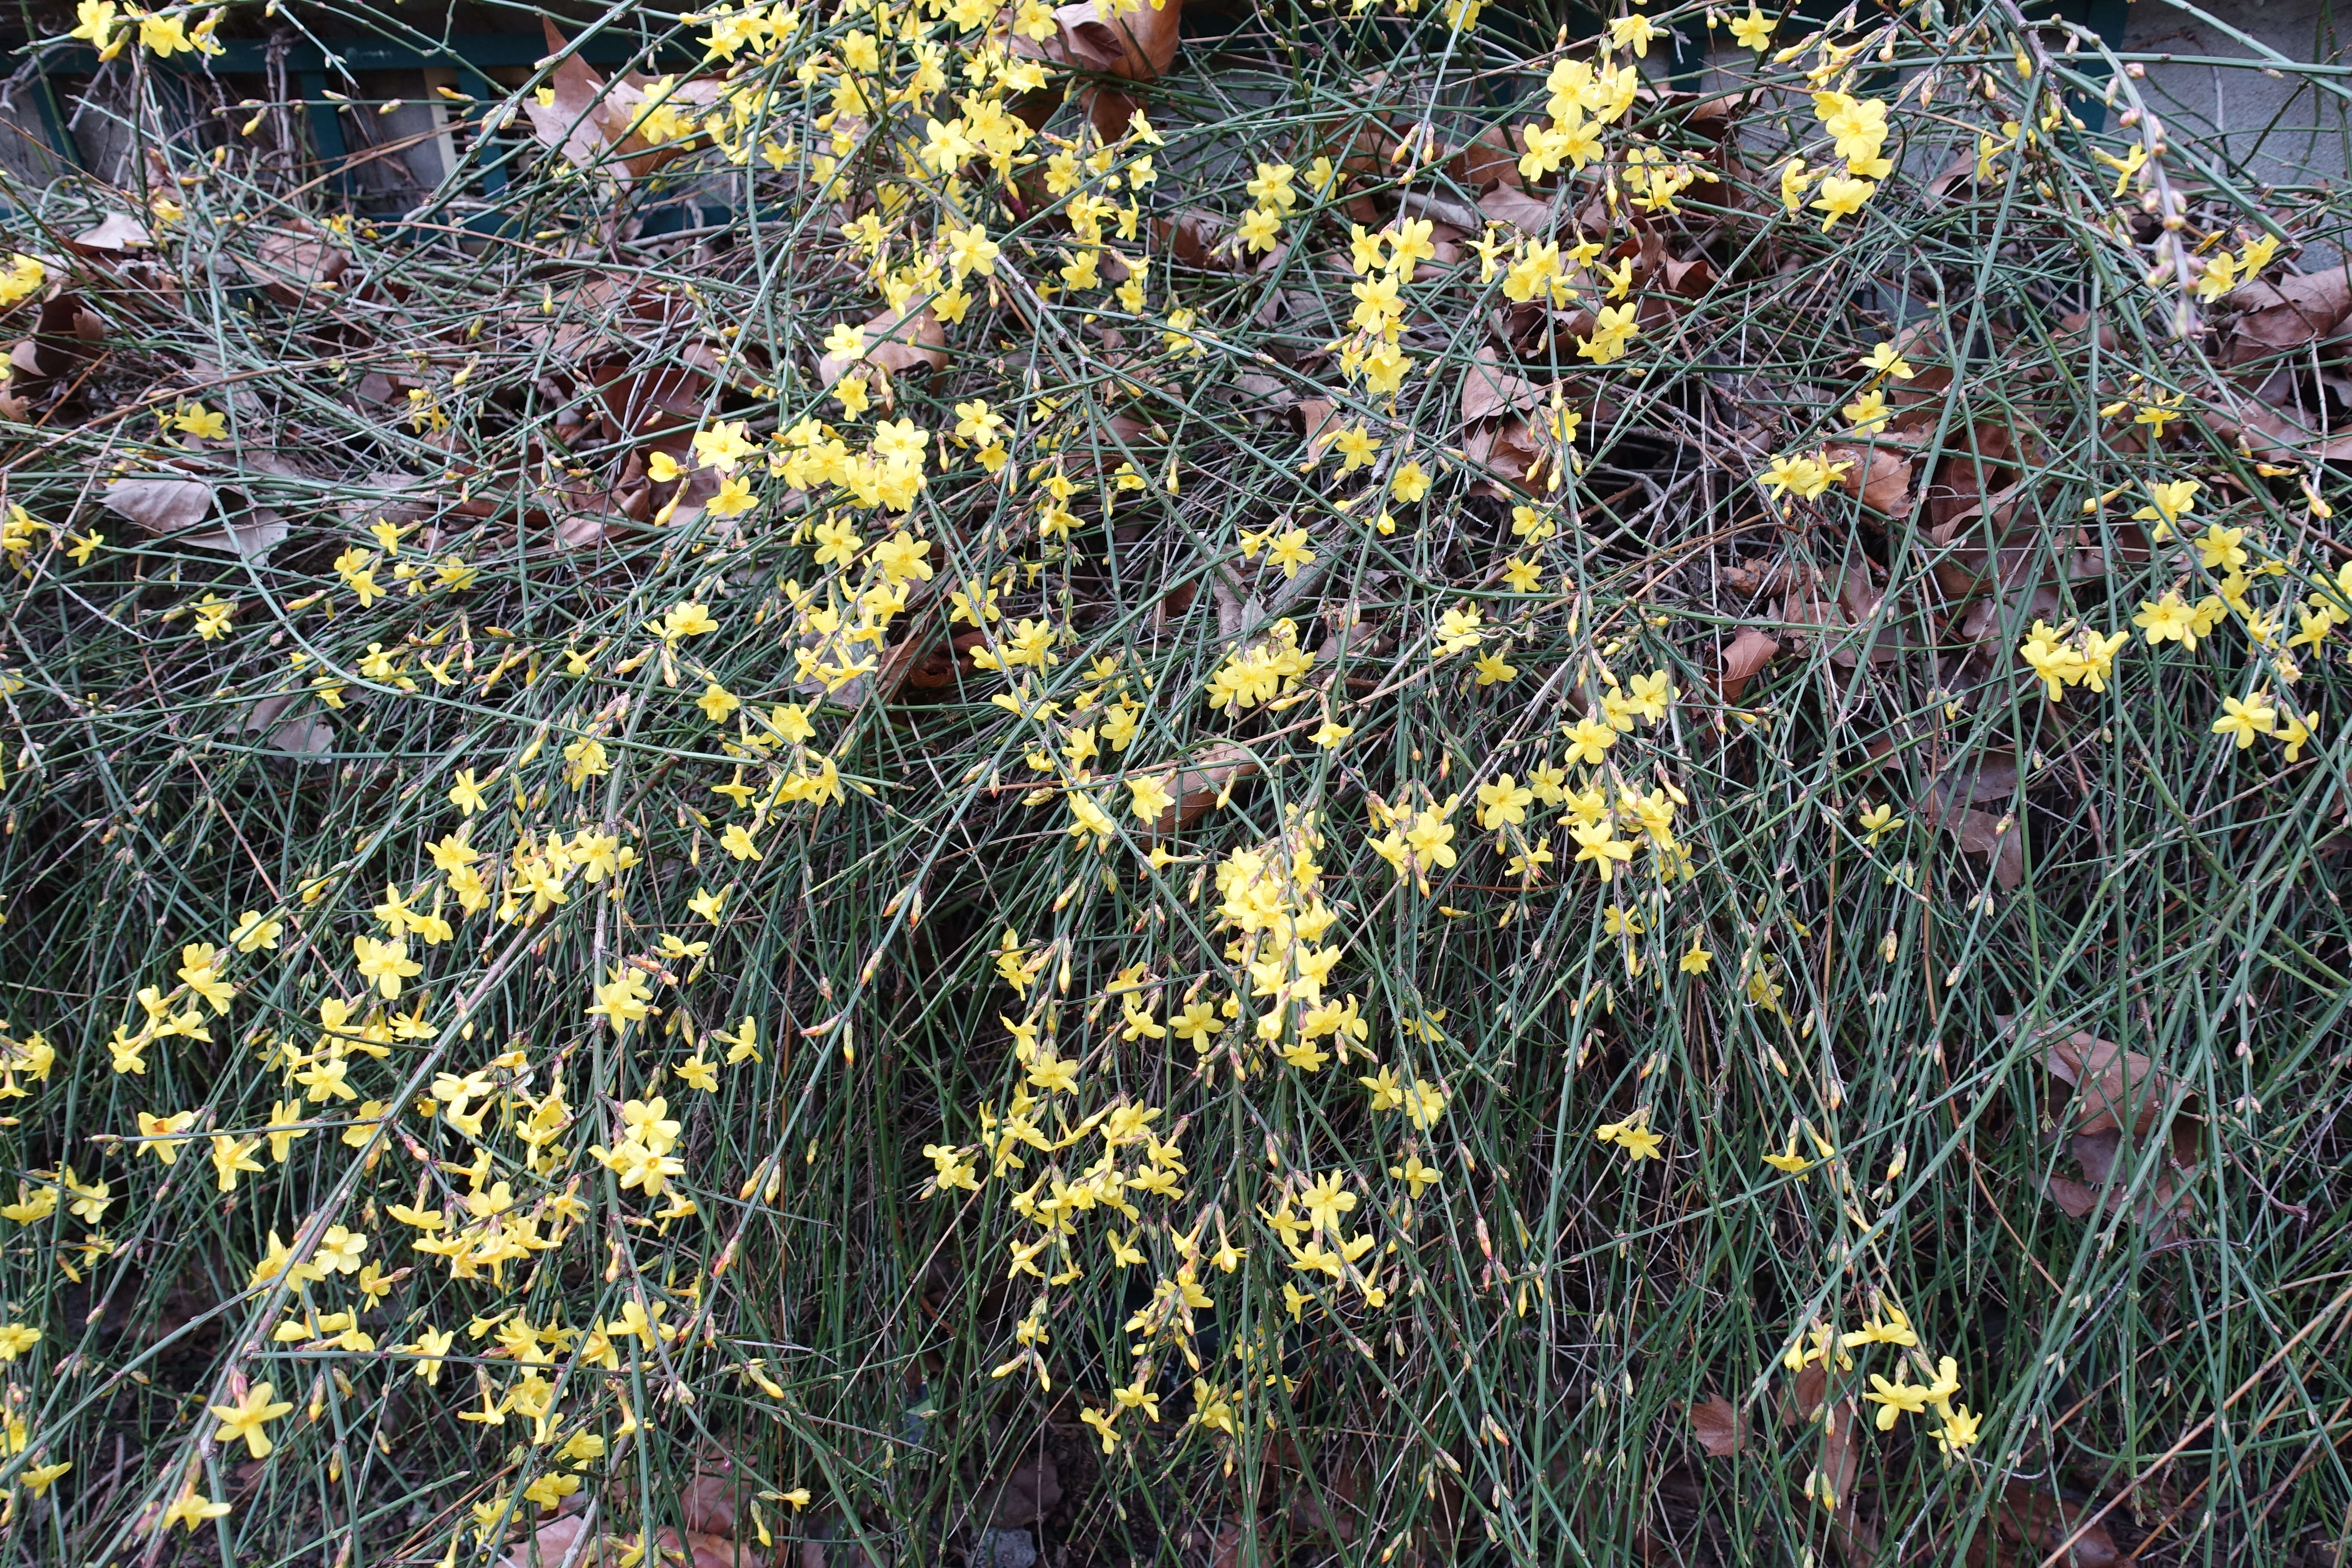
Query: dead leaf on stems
(1982, 833)
(170, 504)
(2274, 317)
(1196, 237)
(2108, 1081)
(1840, 1469)
(1133, 42)
(592, 122)
(1030, 1491)
(1510, 205)
(2028, 1525)
(923, 664)
(1490, 162)
(895, 342)
(1323, 1505)
(557, 1542)
(1749, 652)
(1950, 801)
(1507, 451)
(1717, 1426)
(65, 336)
(1319, 422)
(1877, 477)
(115, 233)
(1200, 784)
(1227, 1550)
(1852, 629)
(1802, 1403)
(161, 506)
(2110, 1085)
(297, 265)
(1489, 387)
(310, 735)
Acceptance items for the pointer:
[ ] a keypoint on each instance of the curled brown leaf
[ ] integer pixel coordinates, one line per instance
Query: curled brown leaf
(895, 342)
(1717, 1426)
(1749, 652)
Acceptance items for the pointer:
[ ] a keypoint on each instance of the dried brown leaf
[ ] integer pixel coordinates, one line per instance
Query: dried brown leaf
(159, 505)
(115, 233)
(293, 267)
(1489, 387)
(1029, 1492)
(591, 119)
(1877, 477)
(557, 1542)
(576, 122)
(1803, 1402)
(1510, 205)
(1987, 777)
(2031, 1518)
(1841, 1467)
(1195, 237)
(895, 341)
(2276, 316)
(1134, 41)
(901, 661)
(1317, 420)
(1505, 450)
(1200, 784)
(65, 336)
(1749, 652)
(2107, 1080)
(1717, 1426)
(1489, 164)
(306, 736)
(1227, 1550)
(1982, 833)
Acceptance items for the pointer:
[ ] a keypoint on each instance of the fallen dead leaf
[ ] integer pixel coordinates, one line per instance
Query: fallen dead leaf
(557, 1542)
(1195, 237)
(1489, 387)
(170, 504)
(1749, 652)
(1321, 1503)
(591, 119)
(1802, 1403)
(66, 335)
(2107, 1080)
(1227, 1550)
(161, 506)
(2109, 1083)
(1841, 1467)
(1029, 1492)
(1490, 162)
(1717, 1426)
(115, 233)
(1510, 205)
(308, 736)
(919, 662)
(1950, 803)
(1317, 421)
(1200, 784)
(895, 342)
(294, 267)
(1982, 833)
(2277, 316)
(2031, 1518)
(1133, 42)
(1507, 450)
(1877, 477)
